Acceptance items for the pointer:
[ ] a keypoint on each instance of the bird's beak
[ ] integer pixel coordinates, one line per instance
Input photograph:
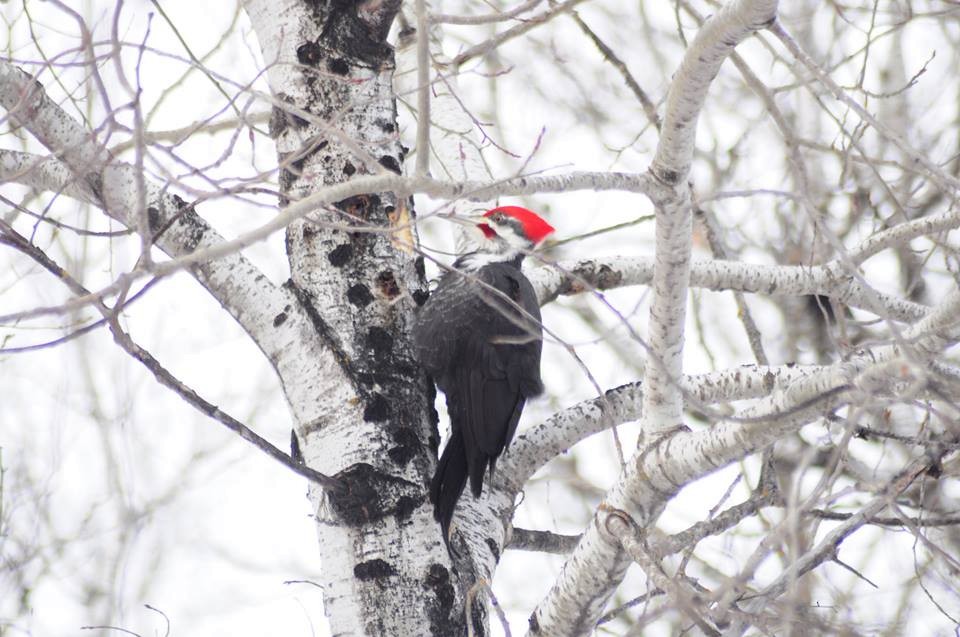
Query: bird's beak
(475, 215)
(474, 221)
(465, 220)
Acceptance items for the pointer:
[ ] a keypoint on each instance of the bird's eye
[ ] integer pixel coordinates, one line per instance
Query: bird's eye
(499, 217)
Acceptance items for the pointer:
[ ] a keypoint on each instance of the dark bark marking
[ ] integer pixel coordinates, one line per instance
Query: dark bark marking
(373, 569)
(338, 66)
(390, 163)
(479, 619)
(407, 446)
(420, 296)
(405, 508)
(296, 165)
(309, 53)
(287, 178)
(607, 277)
(587, 274)
(377, 409)
(358, 206)
(347, 33)
(339, 256)
(379, 341)
(278, 122)
(279, 319)
(194, 228)
(433, 442)
(441, 612)
(153, 218)
(281, 119)
(494, 549)
(668, 177)
(159, 222)
(295, 452)
(359, 295)
(534, 624)
(371, 495)
(349, 169)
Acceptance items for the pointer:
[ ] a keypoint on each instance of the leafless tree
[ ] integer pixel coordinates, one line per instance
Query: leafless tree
(750, 317)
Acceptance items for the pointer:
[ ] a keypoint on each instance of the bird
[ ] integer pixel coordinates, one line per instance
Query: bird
(479, 337)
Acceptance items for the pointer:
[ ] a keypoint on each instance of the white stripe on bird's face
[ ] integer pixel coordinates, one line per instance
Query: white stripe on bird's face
(509, 231)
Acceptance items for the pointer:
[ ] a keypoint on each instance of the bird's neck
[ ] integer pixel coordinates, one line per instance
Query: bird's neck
(473, 261)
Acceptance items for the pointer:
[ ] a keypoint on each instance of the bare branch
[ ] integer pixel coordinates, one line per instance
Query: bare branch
(163, 376)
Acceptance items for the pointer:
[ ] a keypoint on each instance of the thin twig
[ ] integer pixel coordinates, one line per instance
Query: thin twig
(499, 16)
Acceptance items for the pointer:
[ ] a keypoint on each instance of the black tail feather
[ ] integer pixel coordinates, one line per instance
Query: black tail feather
(449, 481)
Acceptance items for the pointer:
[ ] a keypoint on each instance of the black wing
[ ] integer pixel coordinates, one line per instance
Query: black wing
(484, 354)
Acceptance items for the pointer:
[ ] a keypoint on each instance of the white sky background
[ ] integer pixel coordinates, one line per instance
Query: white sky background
(89, 439)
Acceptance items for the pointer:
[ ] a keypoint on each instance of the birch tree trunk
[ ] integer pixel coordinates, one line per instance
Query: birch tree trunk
(365, 411)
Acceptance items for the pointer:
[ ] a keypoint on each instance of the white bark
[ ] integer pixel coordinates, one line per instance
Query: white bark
(45, 174)
(366, 418)
(562, 278)
(539, 444)
(687, 456)
(581, 276)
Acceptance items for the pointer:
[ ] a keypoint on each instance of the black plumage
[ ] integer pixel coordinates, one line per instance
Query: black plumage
(479, 337)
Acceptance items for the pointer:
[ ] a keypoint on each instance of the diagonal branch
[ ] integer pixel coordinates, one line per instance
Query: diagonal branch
(86, 170)
(537, 445)
(485, 47)
(164, 377)
(827, 547)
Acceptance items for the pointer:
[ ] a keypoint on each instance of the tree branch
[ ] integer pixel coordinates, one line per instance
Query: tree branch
(163, 376)
(607, 273)
(85, 170)
(827, 547)
(542, 541)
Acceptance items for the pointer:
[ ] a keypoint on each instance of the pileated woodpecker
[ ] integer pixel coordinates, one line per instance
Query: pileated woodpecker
(479, 338)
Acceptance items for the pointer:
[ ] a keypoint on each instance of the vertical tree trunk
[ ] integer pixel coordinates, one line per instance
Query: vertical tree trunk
(369, 418)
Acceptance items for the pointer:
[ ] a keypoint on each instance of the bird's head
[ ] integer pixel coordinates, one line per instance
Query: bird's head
(509, 229)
